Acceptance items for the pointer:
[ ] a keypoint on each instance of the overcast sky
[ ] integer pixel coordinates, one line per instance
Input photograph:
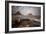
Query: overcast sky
(25, 10)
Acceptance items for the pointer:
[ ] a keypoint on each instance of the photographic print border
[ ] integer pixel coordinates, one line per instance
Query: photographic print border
(7, 16)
